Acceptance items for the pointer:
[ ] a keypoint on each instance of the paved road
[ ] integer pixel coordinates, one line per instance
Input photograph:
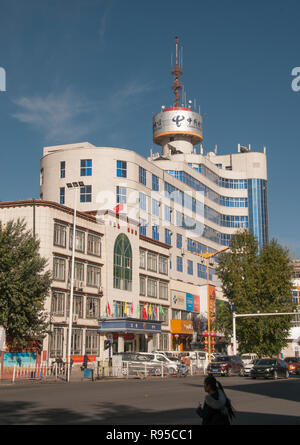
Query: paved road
(139, 402)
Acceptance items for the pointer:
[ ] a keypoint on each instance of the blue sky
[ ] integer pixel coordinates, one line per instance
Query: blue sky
(97, 70)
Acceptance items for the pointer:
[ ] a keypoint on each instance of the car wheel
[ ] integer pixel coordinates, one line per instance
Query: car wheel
(242, 372)
(172, 371)
(275, 375)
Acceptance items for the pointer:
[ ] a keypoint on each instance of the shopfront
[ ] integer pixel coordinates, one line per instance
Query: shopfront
(182, 334)
(129, 334)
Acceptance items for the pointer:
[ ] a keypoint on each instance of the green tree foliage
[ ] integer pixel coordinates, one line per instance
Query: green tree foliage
(23, 284)
(256, 281)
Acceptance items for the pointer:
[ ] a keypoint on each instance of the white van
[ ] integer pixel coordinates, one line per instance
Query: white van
(197, 358)
(247, 358)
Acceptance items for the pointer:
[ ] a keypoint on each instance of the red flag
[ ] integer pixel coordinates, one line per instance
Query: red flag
(144, 313)
(119, 207)
(108, 308)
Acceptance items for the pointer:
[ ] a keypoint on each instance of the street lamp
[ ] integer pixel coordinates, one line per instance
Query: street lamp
(207, 255)
(74, 186)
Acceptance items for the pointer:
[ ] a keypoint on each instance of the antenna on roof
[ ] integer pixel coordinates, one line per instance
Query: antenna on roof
(177, 72)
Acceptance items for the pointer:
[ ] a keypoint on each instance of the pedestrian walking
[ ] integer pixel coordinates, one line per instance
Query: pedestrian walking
(85, 361)
(217, 409)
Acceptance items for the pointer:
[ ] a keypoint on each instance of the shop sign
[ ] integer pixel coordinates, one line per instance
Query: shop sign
(182, 327)
(196, 303)
(189, 302)
(178, 300)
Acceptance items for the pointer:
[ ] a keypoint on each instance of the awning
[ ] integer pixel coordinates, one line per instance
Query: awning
(131, 325)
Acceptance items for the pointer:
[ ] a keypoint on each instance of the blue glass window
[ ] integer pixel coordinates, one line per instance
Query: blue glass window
(142, 201)
(179, 264)
(190, 267)
(121, 169)
(86, 167)
(155, 233)
(168, 236)
(62, 195)
(86, 193)
(121, 194)
(179, 241)
(143, 227)
(142, 175)
(63, 169)
(155, 207)
(155, 183)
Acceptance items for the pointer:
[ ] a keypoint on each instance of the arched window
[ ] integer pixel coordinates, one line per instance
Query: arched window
(122, 263)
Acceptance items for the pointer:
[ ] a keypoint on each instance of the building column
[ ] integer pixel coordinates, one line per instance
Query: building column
(120, 344)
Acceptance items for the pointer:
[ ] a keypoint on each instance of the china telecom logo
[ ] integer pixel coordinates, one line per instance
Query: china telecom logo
(2, 79)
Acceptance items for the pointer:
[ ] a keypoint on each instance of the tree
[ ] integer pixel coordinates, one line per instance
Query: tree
(23, 285)
(256, 281)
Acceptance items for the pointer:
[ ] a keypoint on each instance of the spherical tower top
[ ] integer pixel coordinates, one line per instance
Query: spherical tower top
(179, 125)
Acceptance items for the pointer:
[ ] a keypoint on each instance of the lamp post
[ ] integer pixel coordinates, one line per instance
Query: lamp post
(235, 315)
(74, 186)
(207, 255)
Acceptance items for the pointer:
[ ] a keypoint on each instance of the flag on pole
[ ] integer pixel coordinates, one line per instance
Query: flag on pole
(144, 313)
(125, 308)
(153, 311)
(149, 309)
(108, 308)
(116, 308)
(161, 311)
(131, 308)
(156, 312)
(119, 207)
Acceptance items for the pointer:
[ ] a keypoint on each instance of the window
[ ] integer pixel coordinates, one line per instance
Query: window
(62, 169)
(92, 307)
(60, 235)
(121, 169)
(142, 259)
(58, 303)
(155, 233)
(142, 175)
(152, 287)
(76, 342)
(94, 244)
(152, 261)
(121, 194)
(79, 240)
(59, 269)
(62, 195)
(86, 167)
(77, 305)
(143, 227)
(41, 176)
(163, 265)
(168, 236)
(56, 342)
(168, 213)
(91, 342)
(119, 309)
(164, 341)
(155, 183)
(190, 267)
(78, 271)
(179, 264)
(122, 263)
(179, 241)
(86, 193)
(163, 290)
(93, 275)
(142, 285)
(142, 201)
(155, 207)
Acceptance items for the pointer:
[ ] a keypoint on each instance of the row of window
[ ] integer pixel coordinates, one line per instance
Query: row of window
(154, 288)
(201, 269)
(92, 273)
(84, 242)
(83, 306)
(85, 168)
(91, 337)
(198, 186)
(153, 262)
(85, 194)
(240, 184)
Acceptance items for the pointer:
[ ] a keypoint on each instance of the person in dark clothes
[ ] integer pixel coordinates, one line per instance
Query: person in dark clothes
(85, 361)
(217, 409)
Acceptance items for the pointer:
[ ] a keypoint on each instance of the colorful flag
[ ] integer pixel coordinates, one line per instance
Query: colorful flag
(153, 311)
(161, 311)
(131, 308)
(119, 207)
(125, 308)
(149, 309)
(144, 313)
(156, 312)
(116, 308)
(108, 309)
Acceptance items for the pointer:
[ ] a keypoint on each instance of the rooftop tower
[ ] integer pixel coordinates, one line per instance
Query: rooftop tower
(179, 128)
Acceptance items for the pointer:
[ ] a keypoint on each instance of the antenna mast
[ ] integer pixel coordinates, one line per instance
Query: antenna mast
(177, 72)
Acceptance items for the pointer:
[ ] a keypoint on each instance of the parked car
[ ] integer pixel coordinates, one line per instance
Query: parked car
(249, 366)
(226, 365)
(293, 364)
(270, 367)
(156, 360)
(248, 358)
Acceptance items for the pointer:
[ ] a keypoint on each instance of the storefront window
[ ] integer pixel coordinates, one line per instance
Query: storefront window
(122, 263)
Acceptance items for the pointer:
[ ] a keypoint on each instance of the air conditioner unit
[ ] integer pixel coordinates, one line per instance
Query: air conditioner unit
(76, 284)
(182, 251)
(81, 284)
(75, 318)
(100, 290)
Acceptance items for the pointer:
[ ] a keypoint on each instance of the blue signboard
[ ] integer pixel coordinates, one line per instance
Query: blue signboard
(25, 359)
(189, 302)
(137, 326)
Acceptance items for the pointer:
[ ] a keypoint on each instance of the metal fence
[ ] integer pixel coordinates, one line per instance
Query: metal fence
(131, 370)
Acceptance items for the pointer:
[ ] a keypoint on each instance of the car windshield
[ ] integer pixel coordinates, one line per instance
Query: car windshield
(221, 359)
(291, 359)
(246, 357)
(267, 362)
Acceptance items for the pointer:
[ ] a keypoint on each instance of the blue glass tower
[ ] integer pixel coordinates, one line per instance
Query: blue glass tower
(258, 210)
